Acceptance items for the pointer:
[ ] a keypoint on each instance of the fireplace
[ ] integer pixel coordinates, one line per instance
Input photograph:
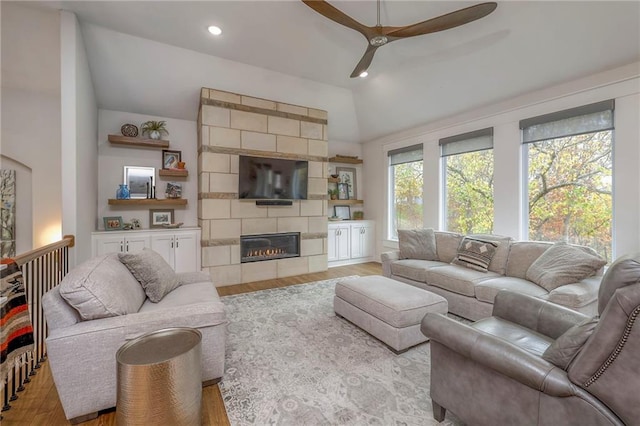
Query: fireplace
(256, 248)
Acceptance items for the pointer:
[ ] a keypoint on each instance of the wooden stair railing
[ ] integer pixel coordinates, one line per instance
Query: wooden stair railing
(42, 269)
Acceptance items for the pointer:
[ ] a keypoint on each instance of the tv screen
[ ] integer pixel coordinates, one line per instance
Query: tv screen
(272, 178)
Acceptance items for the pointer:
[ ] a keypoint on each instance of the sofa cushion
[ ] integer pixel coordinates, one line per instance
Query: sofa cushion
(486, 290)
(152, 271)
(102, 287)
(413, 269)
(576, 295)
(447, 244)
(499, 261)
(457, 279)
(475, 253)
(522, 254)
(564, 264)
(566, 347)
(185, 295)
(417, 244)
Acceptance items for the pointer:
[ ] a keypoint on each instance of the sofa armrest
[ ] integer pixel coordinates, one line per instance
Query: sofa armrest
(497, 354)
(531, 312)
(192, 277)
(387, 258)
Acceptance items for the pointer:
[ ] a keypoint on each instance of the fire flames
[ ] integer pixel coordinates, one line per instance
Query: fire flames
(265, 252)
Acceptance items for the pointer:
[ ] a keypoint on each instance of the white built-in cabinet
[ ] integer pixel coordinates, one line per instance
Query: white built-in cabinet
(350, 242)
(179, 247)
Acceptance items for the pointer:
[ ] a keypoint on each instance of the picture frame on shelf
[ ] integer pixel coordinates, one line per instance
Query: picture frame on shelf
(342, 212)
(113, 223)
(158, 218)
(139, 180)
(343, 191)
(348, 175)
(170, 159)
(174, 190)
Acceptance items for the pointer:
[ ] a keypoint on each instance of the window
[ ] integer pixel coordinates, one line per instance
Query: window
(406, 189)
(569, 156)
(467, 161)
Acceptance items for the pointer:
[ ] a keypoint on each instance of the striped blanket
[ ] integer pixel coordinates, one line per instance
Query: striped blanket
(16, 332)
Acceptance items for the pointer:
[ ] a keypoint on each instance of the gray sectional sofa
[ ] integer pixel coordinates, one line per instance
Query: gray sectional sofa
(471, 293)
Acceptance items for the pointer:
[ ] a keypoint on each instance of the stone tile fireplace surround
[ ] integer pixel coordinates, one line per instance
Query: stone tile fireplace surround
(230, 125)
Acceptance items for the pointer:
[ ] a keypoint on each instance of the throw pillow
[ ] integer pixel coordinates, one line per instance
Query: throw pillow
(566, 347)
(102, 287)
(152, 272)
(417, 244)
(562, 264)
(475, 254)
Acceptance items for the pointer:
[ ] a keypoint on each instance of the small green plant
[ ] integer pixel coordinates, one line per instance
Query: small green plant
(154, 126)
(333, 193)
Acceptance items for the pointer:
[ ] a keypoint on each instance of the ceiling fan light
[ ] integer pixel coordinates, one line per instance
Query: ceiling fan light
(215, 30)
(363, 74)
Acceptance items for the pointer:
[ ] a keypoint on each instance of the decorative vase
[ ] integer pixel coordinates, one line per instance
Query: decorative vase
(123, 192)
(154, 134)
(129, 130)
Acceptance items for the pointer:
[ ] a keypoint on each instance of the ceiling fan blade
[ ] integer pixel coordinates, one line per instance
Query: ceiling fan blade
(336, 15)
(444, 22)
(364, 63)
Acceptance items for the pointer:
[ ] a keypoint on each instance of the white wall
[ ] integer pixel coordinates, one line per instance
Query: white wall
(622, 84)
(112, 159)
(79, 140)
(30, 100)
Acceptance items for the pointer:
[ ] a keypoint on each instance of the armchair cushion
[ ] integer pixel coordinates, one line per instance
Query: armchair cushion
(564, 264)
(102, 287)
(564, 349)
(152, 271)
(417, 244)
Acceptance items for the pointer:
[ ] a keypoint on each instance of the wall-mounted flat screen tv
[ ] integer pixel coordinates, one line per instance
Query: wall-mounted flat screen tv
(272, 178)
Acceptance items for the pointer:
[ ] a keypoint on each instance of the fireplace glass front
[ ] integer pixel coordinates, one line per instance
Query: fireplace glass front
(256, 248)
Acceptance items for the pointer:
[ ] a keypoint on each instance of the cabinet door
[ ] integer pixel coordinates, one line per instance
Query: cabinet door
(136, 242)
(343, 243)
(109, 244)
(357, 248)
(332, 241)
(163, 245)
(186, 252)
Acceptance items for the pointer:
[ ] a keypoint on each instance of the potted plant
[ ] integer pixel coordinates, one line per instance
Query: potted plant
(154, 129)
(333, 193)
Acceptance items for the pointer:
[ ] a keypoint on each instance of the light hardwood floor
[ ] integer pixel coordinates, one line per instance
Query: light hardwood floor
(39, 403)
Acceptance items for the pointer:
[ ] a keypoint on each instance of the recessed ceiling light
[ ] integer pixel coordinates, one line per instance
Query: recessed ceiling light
(215, 30)
(363, 74)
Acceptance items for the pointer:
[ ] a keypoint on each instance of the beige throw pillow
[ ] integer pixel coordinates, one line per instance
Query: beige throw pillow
(417, 244)
(562, 264)
(154, 274)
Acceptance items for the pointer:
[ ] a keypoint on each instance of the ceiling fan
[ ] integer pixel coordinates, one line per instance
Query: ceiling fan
(378, 36)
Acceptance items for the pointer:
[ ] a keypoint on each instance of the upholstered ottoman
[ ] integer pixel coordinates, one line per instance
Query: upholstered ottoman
(387, 309)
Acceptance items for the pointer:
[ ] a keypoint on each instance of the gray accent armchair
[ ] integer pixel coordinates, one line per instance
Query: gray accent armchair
(493, 371)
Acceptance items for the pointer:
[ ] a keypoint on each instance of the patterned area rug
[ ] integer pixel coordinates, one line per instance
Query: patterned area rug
(291, 361)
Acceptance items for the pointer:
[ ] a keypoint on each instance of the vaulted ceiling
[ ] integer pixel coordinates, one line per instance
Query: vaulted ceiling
(153, 56)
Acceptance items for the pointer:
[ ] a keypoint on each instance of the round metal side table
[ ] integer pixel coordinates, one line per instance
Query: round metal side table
(159, 379)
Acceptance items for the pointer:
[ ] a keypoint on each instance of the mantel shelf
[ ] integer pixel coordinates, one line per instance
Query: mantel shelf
(139, 142)
(148, 202)
(173, 172)
(346, 202)
(345, 160)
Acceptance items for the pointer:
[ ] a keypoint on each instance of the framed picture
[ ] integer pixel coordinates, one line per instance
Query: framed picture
(342, 212)
(139, 180)
(113, 223)
(160, 217)
(170, 159)
(343, 191)
(174, 190)
(348, 175)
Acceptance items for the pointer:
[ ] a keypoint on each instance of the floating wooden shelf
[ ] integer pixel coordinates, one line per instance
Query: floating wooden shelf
(173, 172)
(148, 202)
(346, 202)
(345, 160)
(333, 180)
(139, 142)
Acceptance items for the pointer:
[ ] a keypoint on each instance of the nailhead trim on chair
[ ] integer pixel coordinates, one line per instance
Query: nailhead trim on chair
(617, 350)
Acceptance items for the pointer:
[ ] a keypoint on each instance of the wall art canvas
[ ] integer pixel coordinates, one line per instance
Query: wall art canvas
(8, 212)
